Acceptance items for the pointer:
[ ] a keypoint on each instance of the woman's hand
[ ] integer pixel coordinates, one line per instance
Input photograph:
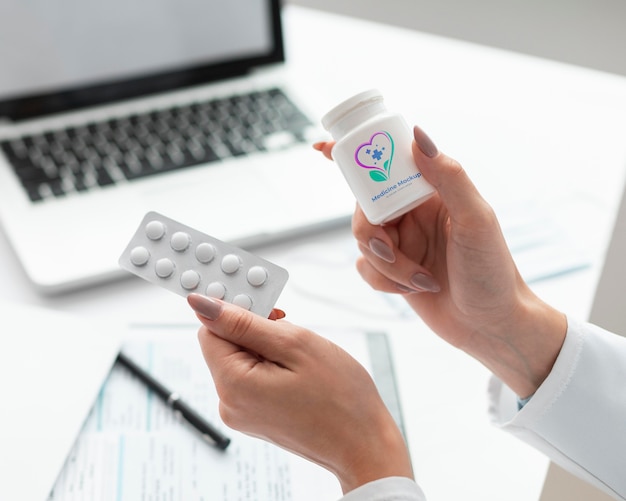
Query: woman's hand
(449, 259)
(291, 387)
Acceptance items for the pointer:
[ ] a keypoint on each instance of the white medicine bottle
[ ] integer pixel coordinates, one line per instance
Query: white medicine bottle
(373, 151)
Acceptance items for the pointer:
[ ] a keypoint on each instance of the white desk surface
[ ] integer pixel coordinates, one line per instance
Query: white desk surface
(526, 129)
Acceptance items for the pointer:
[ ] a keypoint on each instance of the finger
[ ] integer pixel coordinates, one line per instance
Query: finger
(407, 275)
(375, 237)
(267, 338)
(379, 245)
(216, 350)
(325, 147)
(377, 280)
(454, 186)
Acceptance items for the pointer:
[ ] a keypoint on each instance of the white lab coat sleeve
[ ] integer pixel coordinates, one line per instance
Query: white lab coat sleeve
(577, 417)
(387, 489)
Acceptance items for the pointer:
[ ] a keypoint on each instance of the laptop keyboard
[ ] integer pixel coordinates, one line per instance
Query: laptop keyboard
(100, 154)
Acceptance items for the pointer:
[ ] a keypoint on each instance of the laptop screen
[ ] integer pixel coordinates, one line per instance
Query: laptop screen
(66, 54)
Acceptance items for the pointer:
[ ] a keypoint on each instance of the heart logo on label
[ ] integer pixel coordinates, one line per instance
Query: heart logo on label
(376, 155)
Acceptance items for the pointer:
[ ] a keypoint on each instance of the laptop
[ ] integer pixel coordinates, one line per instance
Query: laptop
(112, 109)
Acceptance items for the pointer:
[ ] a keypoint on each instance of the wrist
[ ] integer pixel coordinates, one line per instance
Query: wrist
(385, 455)
(522, 349)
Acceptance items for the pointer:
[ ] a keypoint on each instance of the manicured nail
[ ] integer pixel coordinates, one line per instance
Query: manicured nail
(382, 250)
(277, 314)
(404, 289)
(205, 306)
(424, 143)
(425, 282)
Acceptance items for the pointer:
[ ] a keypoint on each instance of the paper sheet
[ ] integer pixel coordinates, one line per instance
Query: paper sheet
(51, 367)
(542, 247)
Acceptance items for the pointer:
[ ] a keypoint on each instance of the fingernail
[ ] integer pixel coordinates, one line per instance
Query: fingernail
(205, 306)
(382, 250)
(424, 143)
(277, 314)
(405, 289)
(425, 282)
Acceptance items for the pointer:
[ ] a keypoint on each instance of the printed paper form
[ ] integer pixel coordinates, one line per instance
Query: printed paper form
(134, 447)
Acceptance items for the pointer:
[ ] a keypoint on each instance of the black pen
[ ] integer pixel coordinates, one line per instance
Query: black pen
(172, 399)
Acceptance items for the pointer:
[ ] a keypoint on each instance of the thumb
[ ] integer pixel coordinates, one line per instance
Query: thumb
(448, 177)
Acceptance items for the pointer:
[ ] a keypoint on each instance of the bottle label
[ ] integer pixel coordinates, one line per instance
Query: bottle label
(376, 155)
(378, 164)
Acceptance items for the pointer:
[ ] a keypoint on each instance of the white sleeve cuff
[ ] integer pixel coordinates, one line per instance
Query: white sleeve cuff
(576, 417)
(387, 489)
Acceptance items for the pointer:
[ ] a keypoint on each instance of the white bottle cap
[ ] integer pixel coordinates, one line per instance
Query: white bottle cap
(352, 112)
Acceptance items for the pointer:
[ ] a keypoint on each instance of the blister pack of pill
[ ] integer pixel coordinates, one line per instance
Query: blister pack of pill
(184, 260)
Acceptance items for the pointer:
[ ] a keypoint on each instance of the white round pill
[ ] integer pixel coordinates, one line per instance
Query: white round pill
(243, 300)
(205, 252)
(189, 279)
(180, 241)
(139, 256)
(155, 230)
(257, 275)
(164, 267)
(231, 263)
(216, 290)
